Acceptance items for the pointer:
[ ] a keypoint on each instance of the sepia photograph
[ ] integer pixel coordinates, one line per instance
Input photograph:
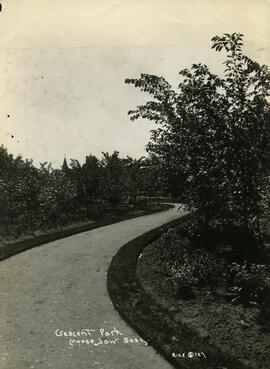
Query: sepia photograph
(135, 184)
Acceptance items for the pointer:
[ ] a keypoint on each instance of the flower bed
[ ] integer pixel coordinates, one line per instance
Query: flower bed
(153, 315)
(226, 303)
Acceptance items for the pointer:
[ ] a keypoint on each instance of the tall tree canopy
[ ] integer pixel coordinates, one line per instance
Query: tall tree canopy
(212, 135)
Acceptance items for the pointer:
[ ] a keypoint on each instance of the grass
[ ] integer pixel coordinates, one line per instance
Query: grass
(152, 321)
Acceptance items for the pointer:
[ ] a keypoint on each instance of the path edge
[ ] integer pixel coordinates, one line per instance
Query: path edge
(128, 296)
(128, 266)
(13, 248)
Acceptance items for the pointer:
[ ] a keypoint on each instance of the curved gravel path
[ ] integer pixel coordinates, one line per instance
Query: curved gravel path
(62, 285)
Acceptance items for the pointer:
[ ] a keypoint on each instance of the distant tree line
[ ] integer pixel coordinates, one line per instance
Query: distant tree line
(37, 198)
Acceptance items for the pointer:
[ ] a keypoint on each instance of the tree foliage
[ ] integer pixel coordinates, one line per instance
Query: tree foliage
(212, 135)
(37, 198)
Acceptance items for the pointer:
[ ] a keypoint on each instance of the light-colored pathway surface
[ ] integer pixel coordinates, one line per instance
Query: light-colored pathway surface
(62, 285)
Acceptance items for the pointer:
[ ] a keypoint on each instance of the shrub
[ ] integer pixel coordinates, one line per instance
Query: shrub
(183, 280)
(188, 267)
(248, 282)
(171, 250)
(198, 268)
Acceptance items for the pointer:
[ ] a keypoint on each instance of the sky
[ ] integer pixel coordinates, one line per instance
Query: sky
(64, 63)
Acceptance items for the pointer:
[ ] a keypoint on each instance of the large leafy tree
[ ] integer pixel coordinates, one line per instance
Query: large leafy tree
(33, 198)
(113, 181)
(211, 135)
(57, 196)
(91, 173)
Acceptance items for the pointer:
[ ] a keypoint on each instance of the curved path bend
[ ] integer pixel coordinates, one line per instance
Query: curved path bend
(62, 285)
